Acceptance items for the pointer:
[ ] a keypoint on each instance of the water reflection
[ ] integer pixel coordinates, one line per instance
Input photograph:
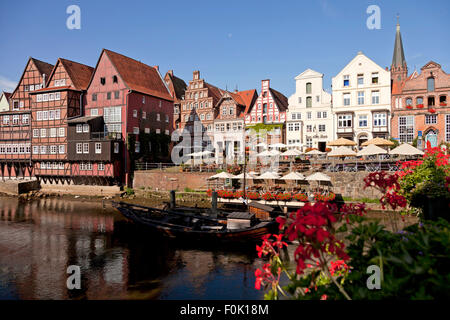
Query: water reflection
(40, 239)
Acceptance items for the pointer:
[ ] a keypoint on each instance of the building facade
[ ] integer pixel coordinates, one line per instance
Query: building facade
(229, 124)
(135, 102)
(269, 109)
(420, 110)
(362, 100)
(198, 111)
(177, 88)
(309, 116)
(4, 101)
(62, 98)
(15, 128)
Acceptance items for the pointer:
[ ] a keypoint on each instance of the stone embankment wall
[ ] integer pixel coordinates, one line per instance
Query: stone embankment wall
(348, 184)
(15, 187)
(81, 190)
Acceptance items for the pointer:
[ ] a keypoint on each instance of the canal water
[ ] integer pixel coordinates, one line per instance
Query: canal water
(39, 239)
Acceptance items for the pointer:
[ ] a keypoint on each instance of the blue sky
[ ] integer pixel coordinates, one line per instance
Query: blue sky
(232, 43)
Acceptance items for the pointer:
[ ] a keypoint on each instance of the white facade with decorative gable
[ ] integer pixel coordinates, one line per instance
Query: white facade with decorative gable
(362, 100)
(309, 117)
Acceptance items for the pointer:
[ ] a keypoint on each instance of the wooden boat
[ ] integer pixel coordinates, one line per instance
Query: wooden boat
(227, 227)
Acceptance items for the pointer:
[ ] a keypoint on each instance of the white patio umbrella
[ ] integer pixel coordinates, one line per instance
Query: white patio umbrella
(314, 152)
(406, 149)
(318, 176)
(291, 152)
(293, 176)
(262, 144)
(296, 144)
(222, 175)
(265, 153)
(341, 152)
(370, 150)
(248, 176)
(274, 152)
(269, 176)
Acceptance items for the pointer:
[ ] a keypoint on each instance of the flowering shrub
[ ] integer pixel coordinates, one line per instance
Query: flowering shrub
(443, 104)
(432, 110)
(319, 197)
(253, 195)
(301, 197)
(238, 194)
(209, 192)
(420, 106)
(409, 106)
(227, 194)
(283, 197)
(268, 196)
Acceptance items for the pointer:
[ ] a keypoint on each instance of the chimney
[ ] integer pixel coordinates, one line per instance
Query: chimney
(156, 67)
(43, 80)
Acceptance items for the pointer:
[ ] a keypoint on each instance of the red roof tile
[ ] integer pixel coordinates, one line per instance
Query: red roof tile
(216, 93)
(80, 74)
(7, 94)
(139, 76)
(43, 67)
(280, 99)
(248, 97)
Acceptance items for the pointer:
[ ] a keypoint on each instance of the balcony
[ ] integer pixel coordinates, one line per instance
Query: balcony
(106, 136)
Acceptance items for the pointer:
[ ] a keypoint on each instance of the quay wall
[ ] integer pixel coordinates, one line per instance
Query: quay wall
(81, 190)
(348, 184)
(15, 187)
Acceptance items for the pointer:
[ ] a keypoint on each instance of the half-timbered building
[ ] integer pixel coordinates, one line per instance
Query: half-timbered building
(62, 98)
(15, 124)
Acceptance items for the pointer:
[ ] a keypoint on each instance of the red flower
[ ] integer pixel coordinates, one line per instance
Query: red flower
(409, 107)
(432, 110)
(420, 106)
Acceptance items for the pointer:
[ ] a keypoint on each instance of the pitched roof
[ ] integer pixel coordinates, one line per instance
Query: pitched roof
(179, 86)
(248, 97)
(216, 93)
(43, 67)
(7, 94)
(139, 76)
(280, 99)
(80, 74)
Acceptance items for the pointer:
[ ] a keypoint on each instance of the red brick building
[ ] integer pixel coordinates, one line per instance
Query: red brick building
(420, 107)
(269, 108)
(135, 102)
(198, 107)
(63, 98)
(15, 124)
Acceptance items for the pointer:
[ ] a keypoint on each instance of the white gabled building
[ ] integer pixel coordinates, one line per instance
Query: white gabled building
(362, 100)
(4, 101)
(309, 116)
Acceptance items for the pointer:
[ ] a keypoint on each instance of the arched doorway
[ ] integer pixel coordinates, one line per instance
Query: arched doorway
(362, 138)
(431, 136)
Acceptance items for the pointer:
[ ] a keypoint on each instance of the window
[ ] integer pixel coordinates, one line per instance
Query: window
(431, 101)
(115, 79)
(430, 119)
(360, 97)
(362, 120)
(35, 149)
(374, 77)
(299, 99)
(116, 94)
(39, 115)
(158, 131)
(321, 128)
(309, 115)
(319, 115)
(51, 115)
(108, 95)
(447, 127)
(102, 81)
(85, 147)
(408, 101)
(309, 143)
(360, 80)
(61, 149)
(379, 119)
(430, 84)
(62, 132)
(16, 105)
(43, 150)
(57, 114)
(346, 81)
(167, 118)
(136, 130)
(85, 128)
(53, 149)
(57, 95)
(135, 113)
(309, 128)
(15, 119)
(45, 97)
(116, 147)
(345, 121)
(375, 97)
(35, 133)
(168, 133)
(308, 102)
(94, 97)
(44, 115)
(60, 165)
(231, 110)
(51, 97)
(324, 115)
(419, 100)
(158, 117)
(101, 166)
(52, 132)
(317, 98)
(43, 133)
(290, 127)
(144, 115)
(406, 129)
(308, 88)
(346, 99)
(79, 148)
(98, 147)
(297, 126)
(39, 98)
(5, 120)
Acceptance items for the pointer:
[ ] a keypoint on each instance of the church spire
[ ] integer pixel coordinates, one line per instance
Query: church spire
(398, 59)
